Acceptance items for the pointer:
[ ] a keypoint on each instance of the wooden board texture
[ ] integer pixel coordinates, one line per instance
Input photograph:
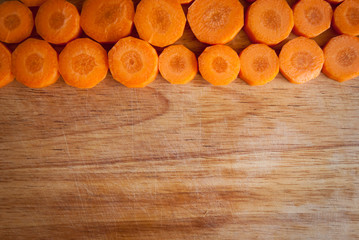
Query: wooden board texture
(181, 162)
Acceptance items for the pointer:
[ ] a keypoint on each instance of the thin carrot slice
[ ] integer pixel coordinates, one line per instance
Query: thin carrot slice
(58, 21)
(83, 63)
(346, 18)
(216, 21)
(33, 3)
(133, 62)
(301, 60)
(269, 21)
(312, 17)
(259, 64)
(6, 76)
(160, 22)
(35, 64)
(16, 22)
(342, 58)
(107, 21)
(219, 65)
(178, 64)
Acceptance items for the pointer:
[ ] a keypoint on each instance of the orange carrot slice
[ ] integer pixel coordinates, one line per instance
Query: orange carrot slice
(160, 22)
(185, 1)
(216, 21)
(269, 21)
(342, 58)
(16, 22)
(178, 64)
(312, 17)
(35, 64)
(107, 21)
(33, 3)
(301, 60)
(334, 1)
(83, 63)
(346, 18)
(58, 21)
(219, 65)
(259, 64)
(6, 76)
(133, 62)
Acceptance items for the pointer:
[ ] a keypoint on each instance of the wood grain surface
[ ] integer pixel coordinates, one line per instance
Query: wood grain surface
(181, 162)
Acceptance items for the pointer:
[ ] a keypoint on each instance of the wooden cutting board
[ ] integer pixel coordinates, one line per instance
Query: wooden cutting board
(181, 162)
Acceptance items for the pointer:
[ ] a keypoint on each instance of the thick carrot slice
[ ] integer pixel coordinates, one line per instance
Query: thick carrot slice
(312, 17)
(301, 60)
(342, 58)
(269, 21)
(16, 22)
(178, 64)
(58, 21)
(33, 3)
(35, 64)
(133, 62)
(160, 22)
(346, 18)
(259, 64)
(219, 65)
(83, 63)
(107, 21)
(216, 21)
(6, 76)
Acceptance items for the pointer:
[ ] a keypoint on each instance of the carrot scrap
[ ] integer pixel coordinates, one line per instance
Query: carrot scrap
(16, 22)
(35, 63)
(219, 65)
(133, 62)
(342, 58)
(301, 60)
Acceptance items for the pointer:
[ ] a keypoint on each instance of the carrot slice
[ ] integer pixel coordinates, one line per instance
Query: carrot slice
(33, 3)
(16, 22)
(6, 76)
(58, 21)
(334, 1)
(35, 64)
(107, 21)
(83, 63)
(259, 64)
(301, 60)
(216, 21)
(269, 21)
(342, 58)
(185, 1)
(346, 18)
(178, 64)
(133, 62)
(312, 17)
(219, 65)
(160, 22)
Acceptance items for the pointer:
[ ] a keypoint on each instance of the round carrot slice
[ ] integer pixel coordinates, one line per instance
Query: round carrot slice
(83, 63)
(35, 64)
(219, 65)
(33, 3)
(160, 22)
(133, 62)
(301, 60)
(16, 22)
(107, 21)
(58, 21)
(216, 21)
(346, 18)
(178, 64)
(342, 58)
(5, 66)
(269, 21)
(312, 17)
(259, 64)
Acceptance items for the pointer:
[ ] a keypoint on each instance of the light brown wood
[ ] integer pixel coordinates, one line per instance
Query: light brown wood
(181, 162)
